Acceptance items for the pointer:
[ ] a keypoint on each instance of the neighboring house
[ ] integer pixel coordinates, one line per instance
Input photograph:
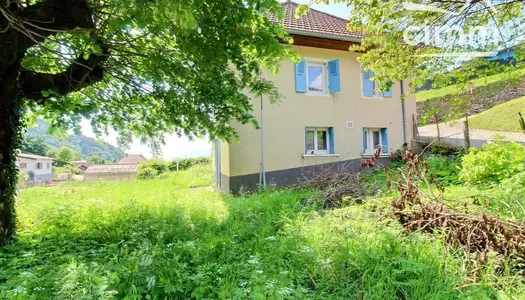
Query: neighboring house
(111, 172)
(331, 115)
(131, 159)
(39, 168)
(81, 165)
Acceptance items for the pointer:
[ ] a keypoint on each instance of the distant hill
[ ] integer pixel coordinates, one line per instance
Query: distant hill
(85, 145)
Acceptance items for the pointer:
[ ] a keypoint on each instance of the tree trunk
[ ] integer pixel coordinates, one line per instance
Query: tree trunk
(10, 136)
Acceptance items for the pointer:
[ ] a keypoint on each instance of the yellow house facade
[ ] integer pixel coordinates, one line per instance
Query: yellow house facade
(331, 116)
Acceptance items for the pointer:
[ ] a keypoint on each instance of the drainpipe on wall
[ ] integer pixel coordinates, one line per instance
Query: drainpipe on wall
(262, 174)
(403, 111)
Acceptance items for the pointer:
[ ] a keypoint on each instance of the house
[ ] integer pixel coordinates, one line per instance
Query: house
(331, 116)
(132, 159)
(39, 168)
(111, 172)
(81, 165)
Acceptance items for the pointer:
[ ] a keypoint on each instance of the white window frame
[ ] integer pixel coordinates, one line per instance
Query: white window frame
(377, 92)
(370, 147)
(324, 68)
(316, 151)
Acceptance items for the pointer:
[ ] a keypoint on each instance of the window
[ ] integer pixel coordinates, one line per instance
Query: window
(23, 165)
(317, 77)
(373, 138)
(39, 165)
(48, 165)
(371, 87)
(319, 140)
(316, 74)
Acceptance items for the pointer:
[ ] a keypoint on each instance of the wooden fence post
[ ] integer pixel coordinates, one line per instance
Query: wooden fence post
(466, 132)
(522, 122)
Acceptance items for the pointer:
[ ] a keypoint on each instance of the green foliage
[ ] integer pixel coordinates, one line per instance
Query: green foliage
(515, 184)
(493, 163)
(96, 160)
(186, 163)
(85, 145)
(157, 239)
(65, 154)
(147, 172)
(34, 145)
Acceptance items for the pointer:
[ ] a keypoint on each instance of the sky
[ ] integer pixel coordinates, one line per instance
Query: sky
(180, 146)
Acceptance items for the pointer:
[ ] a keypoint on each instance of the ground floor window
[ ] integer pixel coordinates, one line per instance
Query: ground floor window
(319, 140)
(374, 138)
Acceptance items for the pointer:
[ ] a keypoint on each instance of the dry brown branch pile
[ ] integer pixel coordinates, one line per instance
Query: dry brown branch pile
(474, 233)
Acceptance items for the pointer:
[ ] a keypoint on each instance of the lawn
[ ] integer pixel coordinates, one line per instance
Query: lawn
(455, 88)
(175, 238)
(503, 117)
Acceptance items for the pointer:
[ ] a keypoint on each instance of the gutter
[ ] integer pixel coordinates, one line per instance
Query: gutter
(324, 35)
(403, 112)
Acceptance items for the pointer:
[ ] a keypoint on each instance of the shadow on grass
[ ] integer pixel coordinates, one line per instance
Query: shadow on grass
(265, 245)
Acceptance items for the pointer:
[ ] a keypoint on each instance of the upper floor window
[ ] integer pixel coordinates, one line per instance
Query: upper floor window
(371, 87)
(39, 165)
(317, 77)
(23, 165)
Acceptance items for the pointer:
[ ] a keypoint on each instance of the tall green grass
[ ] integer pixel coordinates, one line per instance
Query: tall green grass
(165, 239)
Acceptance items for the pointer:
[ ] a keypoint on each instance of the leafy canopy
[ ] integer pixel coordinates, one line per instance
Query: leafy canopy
(168, 66)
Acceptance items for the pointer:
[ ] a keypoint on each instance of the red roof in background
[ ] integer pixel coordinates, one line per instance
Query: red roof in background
(131, 159)
(315, 22)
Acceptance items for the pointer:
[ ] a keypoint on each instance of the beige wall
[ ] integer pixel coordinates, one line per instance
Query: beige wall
(285, 121)
(110, 177)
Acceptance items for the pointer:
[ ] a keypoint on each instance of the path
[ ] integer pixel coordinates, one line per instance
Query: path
(452, 133)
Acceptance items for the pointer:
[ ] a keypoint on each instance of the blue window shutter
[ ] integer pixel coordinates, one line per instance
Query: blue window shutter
(368, 87)
(364, 140)
(300, 76)
(331, 140)
(334, 80)
(384, 140)
(388, 94)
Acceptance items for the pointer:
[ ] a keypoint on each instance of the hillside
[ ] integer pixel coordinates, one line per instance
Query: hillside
(502, 117)
(87, 146)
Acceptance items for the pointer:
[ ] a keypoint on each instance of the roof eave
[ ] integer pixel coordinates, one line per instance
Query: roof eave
(324, 35)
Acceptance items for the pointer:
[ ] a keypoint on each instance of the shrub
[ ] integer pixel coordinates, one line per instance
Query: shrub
(186, 163)
(158, 165)
(493, 163)
(514, 184)
(445, 169)
(147, 172)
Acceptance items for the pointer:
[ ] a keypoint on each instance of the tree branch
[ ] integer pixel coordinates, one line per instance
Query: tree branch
(80, 74)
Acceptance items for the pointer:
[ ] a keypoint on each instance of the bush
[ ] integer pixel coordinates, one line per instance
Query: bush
(186, 163)
(445, 169)
(514, 184)
(493, 163)
(158, 165)
(147, 172)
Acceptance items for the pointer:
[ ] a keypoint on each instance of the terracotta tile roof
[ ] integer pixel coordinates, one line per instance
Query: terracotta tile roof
(111, 169)
(131, 159)
(315, 23)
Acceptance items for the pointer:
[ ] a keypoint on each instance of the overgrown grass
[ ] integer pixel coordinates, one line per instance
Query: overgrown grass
(165, 239)
(455, 88)
(503, 117)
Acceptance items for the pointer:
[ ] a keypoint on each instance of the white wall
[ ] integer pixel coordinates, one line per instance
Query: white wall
(32, 163)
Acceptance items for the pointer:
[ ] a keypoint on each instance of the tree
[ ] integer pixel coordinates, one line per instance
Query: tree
(438, 40)
(67, 154)
(34, 145)
(140, 67)
(96, 160)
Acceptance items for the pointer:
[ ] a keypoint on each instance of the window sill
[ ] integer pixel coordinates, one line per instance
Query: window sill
(377, 97)
(369, 155)
(326, 95)
(306, 156)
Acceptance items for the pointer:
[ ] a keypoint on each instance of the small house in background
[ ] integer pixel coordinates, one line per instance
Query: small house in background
(39, 168)
(111, 172)
(132, 159)
(81, 165)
